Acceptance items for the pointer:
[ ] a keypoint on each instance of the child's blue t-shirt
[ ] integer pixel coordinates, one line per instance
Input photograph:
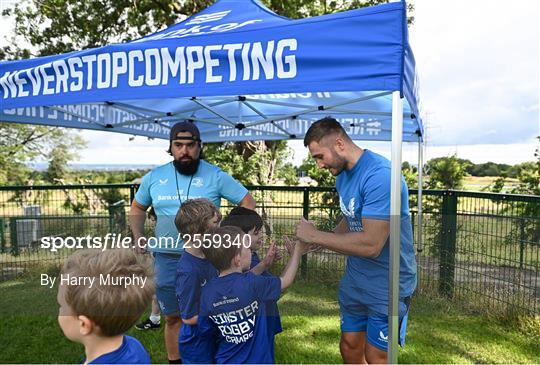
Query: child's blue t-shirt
(193, 273)
(272, 310)
(233, 307)
(164, 189)
(130, 352)
(364, 192)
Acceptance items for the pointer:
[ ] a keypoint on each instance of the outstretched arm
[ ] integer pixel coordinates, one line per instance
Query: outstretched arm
(289, 272)
(266, 262)
(367, 243)
(248, 202)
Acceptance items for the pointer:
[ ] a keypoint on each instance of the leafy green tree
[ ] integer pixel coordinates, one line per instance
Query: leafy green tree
(321, 176)
(498, 185)
(410, 173)
(58, 26)
(527, 228)
(22, 143)
(252, 163)
(59, 157)
(529, 175)
(445, 173)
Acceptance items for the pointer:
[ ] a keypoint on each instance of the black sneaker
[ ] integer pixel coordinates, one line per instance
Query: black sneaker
(147, 325)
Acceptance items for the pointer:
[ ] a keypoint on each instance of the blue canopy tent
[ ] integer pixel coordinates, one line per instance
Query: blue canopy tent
(240, 72)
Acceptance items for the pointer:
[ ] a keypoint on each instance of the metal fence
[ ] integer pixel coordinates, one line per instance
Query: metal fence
(478, 248)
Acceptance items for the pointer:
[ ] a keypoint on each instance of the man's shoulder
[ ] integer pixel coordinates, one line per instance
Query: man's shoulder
(160, 172)
(377, 161)
(167, 167)
(207, 167)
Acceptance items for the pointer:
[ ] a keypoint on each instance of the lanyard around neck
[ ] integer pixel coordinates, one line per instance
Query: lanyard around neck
(178, 190)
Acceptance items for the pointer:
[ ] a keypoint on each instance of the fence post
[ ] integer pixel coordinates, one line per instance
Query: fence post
(521, 241)
(117, 217)
(413, 220)
(2, 237)
(13, 236)
(305, 213)
(131, 194)
(448, 244)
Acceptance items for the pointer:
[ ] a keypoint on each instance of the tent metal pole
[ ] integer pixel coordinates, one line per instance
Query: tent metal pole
(213, 111)
(395, 227)
(419, 230)
(351, 101)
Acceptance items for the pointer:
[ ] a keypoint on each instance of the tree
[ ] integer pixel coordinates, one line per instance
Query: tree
(58, 26)
(410, 173)
(529, 175)
(529, 184)
(321, 176)
(22, 143)
(59, 157)
(445, 173)
(254, 162)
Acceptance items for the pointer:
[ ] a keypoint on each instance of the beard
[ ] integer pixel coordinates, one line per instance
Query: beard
(339, 165)
(187, 167)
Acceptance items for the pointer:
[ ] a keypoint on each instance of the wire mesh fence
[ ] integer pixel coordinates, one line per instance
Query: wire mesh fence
(477, 248)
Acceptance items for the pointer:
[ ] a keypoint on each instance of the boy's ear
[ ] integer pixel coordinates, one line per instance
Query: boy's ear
(236, 261)
(86, 325)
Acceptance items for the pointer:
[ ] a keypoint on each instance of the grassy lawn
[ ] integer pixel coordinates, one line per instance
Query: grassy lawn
(437, 333)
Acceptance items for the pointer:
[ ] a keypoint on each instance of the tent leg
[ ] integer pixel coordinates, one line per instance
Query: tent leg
(395, 227)
(419, 242)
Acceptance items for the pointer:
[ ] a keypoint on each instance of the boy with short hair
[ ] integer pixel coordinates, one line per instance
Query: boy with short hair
(194, 218)
(233, 305)
(101, 295)
(251, 223)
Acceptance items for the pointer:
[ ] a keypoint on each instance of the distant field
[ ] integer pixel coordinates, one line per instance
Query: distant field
(476, 183)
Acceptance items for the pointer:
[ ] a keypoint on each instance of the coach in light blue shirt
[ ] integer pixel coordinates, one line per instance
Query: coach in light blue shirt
(363, 185)
(165, 188)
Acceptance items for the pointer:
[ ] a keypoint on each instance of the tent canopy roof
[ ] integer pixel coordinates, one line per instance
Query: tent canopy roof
(236, 69)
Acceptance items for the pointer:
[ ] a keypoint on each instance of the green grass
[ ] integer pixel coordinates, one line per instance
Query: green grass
(437, 332)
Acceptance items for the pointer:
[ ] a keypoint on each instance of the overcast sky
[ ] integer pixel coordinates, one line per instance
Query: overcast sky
(479, 69)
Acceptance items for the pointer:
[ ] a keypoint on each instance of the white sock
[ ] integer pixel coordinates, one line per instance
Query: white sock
(155, 318)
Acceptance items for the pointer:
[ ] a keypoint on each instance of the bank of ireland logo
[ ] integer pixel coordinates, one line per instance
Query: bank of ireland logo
(198, 182)
(163, 181)
(347, 211)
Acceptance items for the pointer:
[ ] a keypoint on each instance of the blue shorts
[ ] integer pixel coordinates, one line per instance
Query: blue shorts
(375, 325)
(165, 265)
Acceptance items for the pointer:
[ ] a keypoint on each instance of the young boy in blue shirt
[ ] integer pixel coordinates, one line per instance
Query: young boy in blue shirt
(95, 309)
(233, 305)
(251, 223)
(193, 220)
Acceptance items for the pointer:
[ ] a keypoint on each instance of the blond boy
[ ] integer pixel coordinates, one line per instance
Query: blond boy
(101, 295)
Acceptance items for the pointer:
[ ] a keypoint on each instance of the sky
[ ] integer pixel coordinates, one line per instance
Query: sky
(479, 72)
